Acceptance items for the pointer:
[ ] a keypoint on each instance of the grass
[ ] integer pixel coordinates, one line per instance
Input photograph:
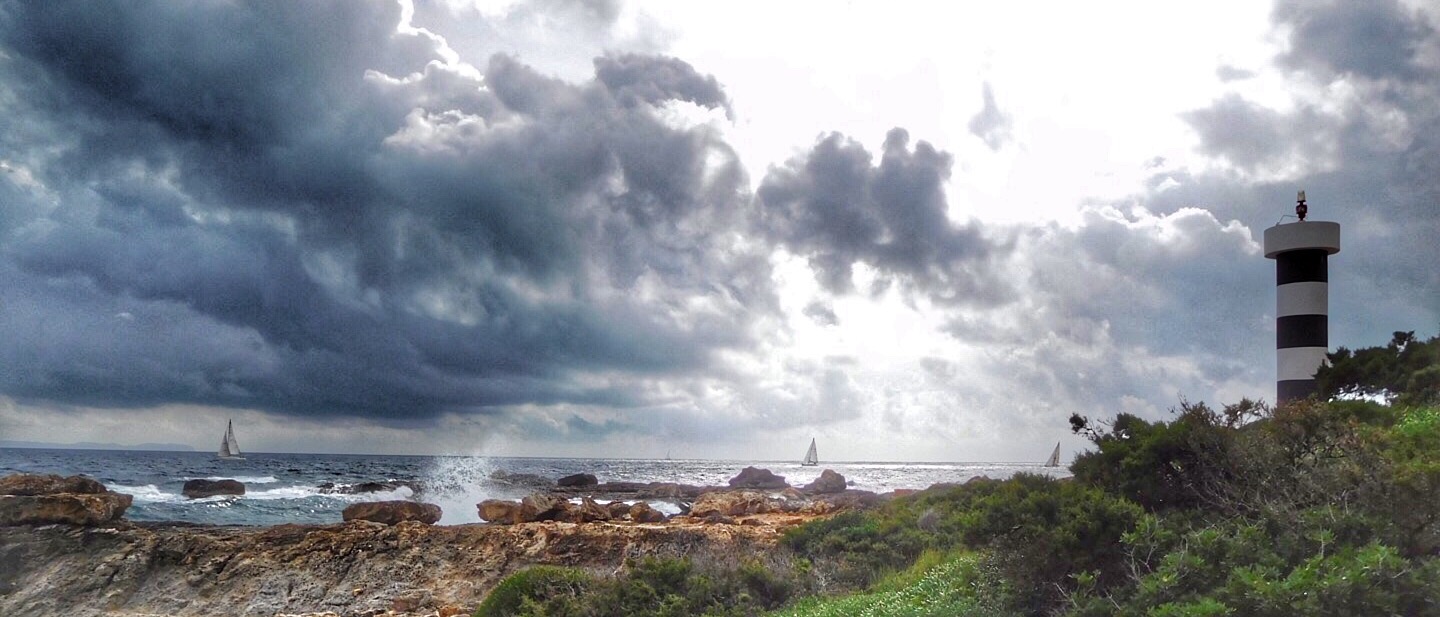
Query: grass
(938, 585)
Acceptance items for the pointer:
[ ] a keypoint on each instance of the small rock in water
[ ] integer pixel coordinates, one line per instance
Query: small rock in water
(579, 479)
(196, 489)
(754, 477)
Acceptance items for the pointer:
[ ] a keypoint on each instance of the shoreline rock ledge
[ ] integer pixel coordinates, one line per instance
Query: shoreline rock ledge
(33, 499)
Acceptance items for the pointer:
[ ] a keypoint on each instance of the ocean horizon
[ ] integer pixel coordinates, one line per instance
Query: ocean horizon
(297, 487)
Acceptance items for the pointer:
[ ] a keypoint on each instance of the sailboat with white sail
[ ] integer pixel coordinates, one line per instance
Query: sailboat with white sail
(1054, 460)
(811, 458)
(229, 448)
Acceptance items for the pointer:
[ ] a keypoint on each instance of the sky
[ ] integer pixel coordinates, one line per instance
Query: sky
(621, 229)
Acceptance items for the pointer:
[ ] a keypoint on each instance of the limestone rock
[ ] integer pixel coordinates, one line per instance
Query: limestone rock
(501, 511)
(643, 513)
(196, 489)
(69, 508)
(731, 503)
(48, 484)
(618, 510)
(542, 507)
(754, 477)
(589, 511)
(828, 482)
(579, 479)
(392, 512)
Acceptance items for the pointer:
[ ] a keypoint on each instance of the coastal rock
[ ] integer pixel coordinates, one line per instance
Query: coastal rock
(618, 510)
(643, 513)
(588, 511)
(543, 507)
(851, 499)
(363, 488)
(521, 479)
(392, 512)
(68, 508)
(196, 489)
(754, 477)
(732, 503)
(828, 482)
(48, 484)
(671, 490)
(500, 511)
(579, 479)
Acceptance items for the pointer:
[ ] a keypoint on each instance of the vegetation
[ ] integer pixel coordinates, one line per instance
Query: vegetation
(1321, 507)
(649, 587)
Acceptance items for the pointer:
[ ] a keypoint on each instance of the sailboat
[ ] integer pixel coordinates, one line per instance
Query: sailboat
(229, 448)
(1054, 460)
(811, 459)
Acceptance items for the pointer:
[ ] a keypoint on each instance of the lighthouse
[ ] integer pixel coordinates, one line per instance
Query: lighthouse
(1302, 296)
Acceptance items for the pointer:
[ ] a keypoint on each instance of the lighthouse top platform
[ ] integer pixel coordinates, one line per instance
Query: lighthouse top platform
(1302, 236)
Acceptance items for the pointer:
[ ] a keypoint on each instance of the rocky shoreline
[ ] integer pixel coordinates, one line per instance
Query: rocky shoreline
(97, 563)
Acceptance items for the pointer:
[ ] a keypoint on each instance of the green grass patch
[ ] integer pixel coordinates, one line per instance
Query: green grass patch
(938, 585)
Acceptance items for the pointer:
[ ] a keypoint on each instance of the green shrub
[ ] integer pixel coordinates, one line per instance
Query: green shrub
(520, 592)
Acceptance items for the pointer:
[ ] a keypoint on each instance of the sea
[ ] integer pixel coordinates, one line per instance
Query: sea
(287, 488)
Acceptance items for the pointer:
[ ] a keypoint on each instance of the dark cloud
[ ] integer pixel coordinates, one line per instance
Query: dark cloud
(990, 124)
(1374, 40)
(330, 217)
(836, 208)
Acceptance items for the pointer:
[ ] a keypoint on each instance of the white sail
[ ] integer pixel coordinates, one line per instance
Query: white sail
(811, 458)
(1054, 460)
(229, 448)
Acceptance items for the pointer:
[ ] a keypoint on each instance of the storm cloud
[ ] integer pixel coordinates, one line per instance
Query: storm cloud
(331, 215)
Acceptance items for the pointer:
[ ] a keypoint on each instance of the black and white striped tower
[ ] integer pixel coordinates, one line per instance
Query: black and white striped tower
(1302, 295)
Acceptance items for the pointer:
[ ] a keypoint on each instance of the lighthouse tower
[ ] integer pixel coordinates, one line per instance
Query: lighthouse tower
(1302, 295)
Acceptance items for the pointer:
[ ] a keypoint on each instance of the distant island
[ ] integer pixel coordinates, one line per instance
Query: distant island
(91, 445)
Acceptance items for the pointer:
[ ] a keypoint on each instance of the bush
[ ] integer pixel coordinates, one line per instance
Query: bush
(658, 587)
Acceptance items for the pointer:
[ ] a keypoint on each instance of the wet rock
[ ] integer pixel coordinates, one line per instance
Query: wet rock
(501, 511)
(828, 482)
(671, 490)
(196, 489)
(754, 477)
(643, 513)
(364, 488)
(48, 484)
(392, 512)
(86, 509)
(579, 479)
(732, 503)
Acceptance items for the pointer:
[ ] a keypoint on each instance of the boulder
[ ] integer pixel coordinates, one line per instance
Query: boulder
(731, 503)
(579, 479)
(67, 508)
(196, 489)
(851, 499)
(589, 511)
(48, 484)
(392, 512)
(754, 477)
(618, 509)
(501, 511)
(643, 513)
(543, 507)
(828, 482)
